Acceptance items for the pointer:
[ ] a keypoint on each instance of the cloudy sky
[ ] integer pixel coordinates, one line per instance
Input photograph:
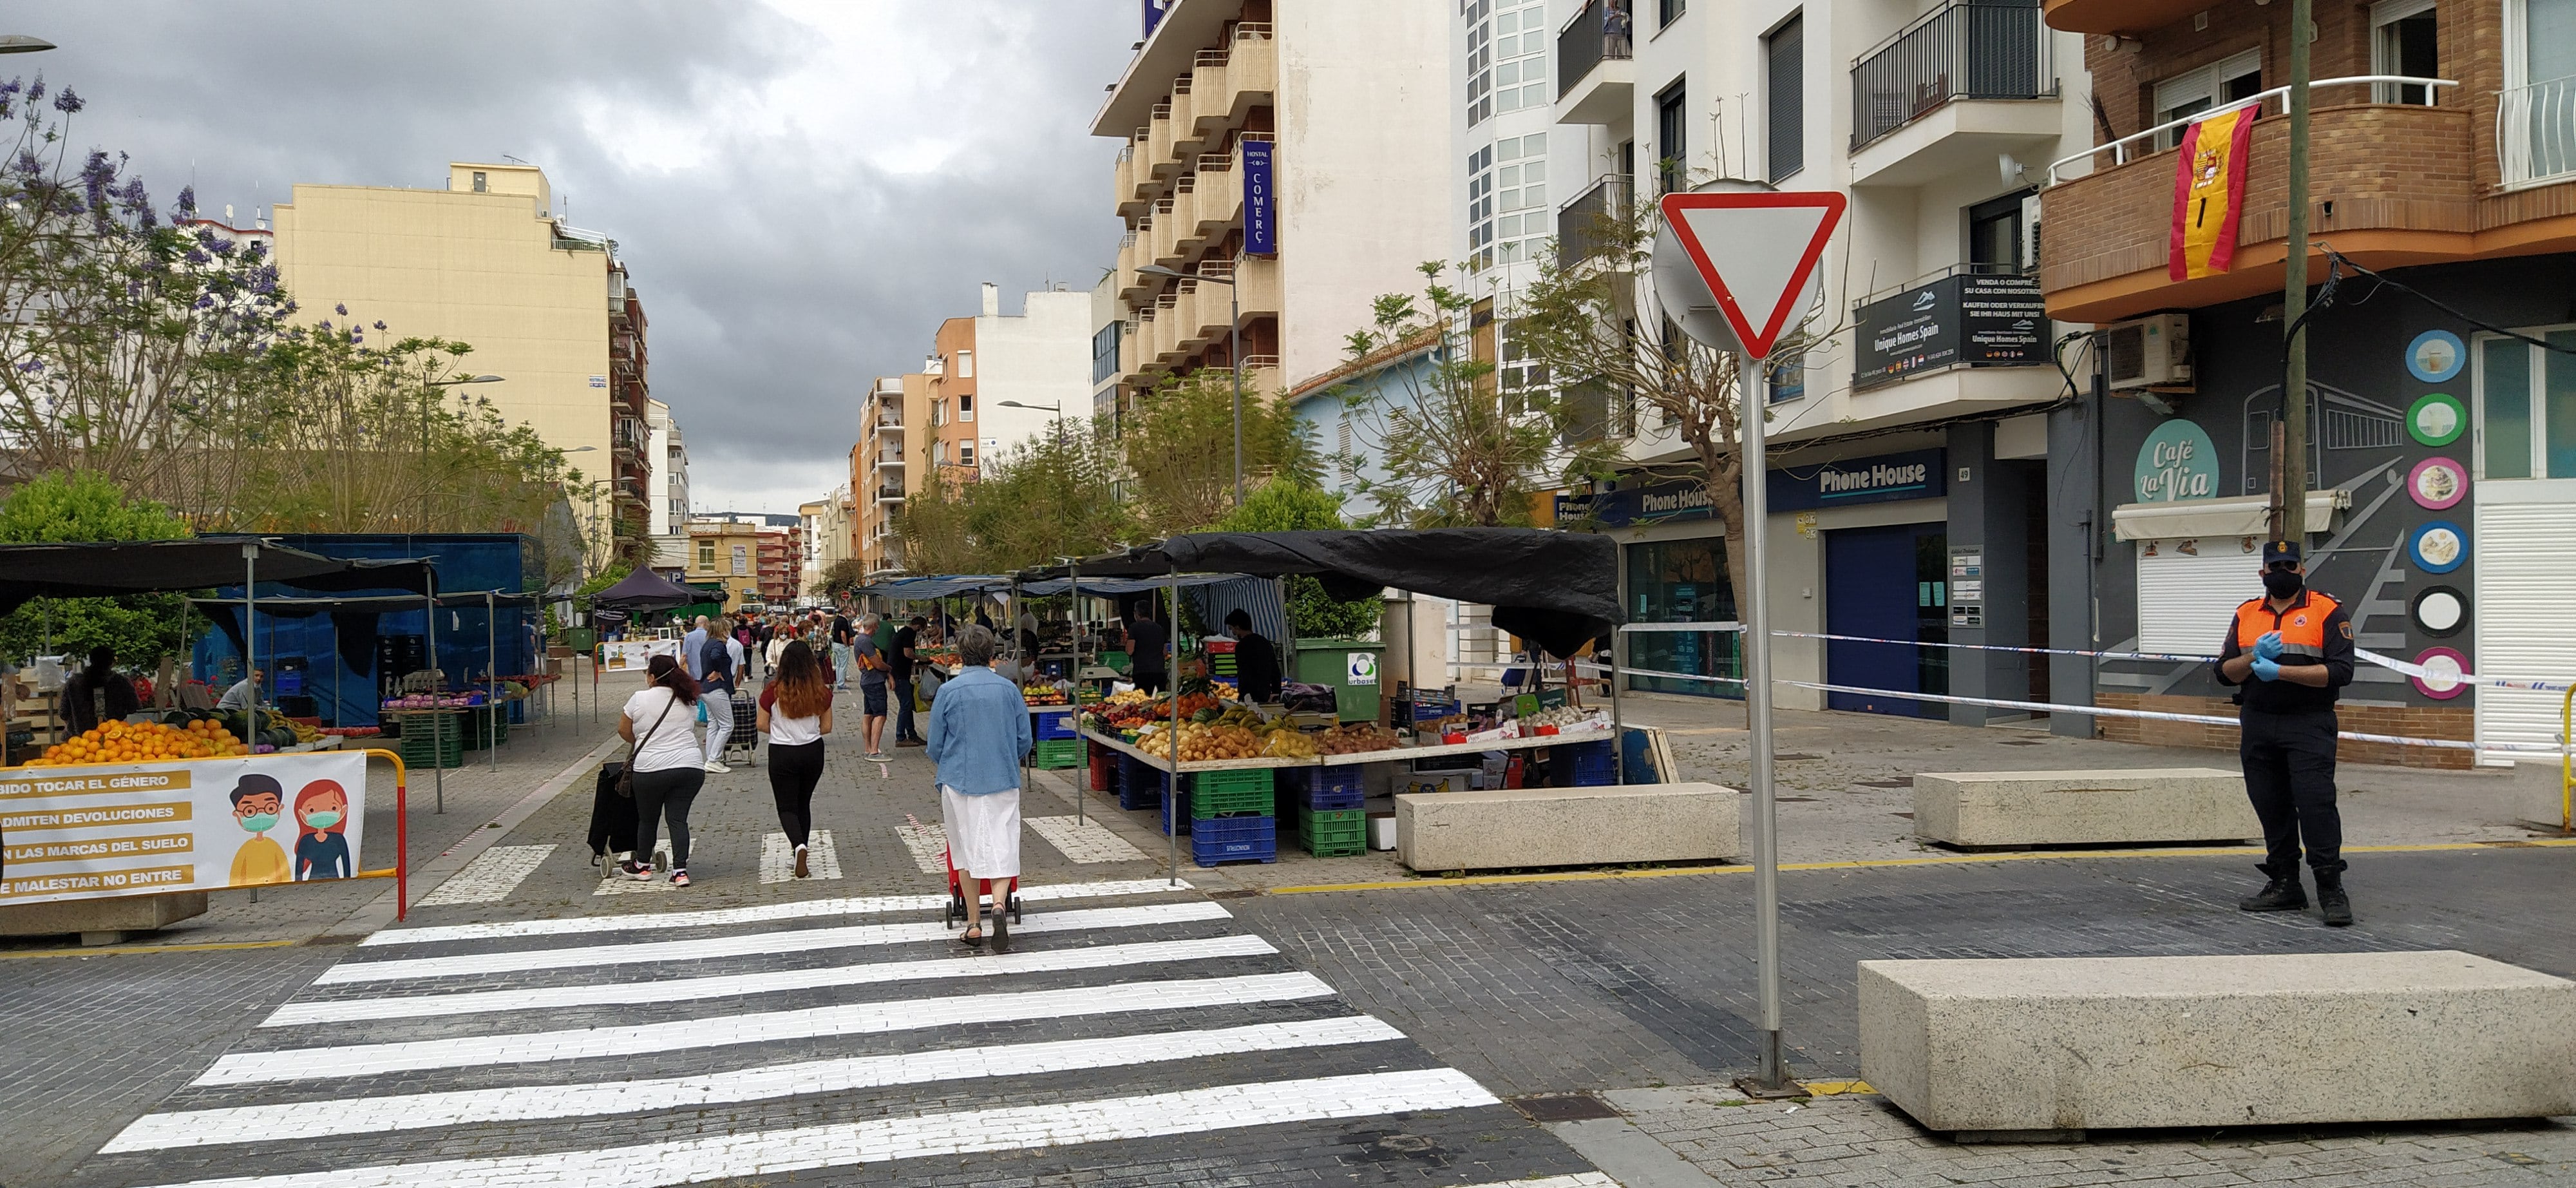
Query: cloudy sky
(802, 189)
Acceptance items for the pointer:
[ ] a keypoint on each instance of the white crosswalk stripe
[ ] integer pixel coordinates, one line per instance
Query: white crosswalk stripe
(607, 1051)
(490, 877)
(1084, 841)
(778, 858)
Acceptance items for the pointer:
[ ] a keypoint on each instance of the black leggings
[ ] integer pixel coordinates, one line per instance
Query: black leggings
(793, 772)
(661, 794)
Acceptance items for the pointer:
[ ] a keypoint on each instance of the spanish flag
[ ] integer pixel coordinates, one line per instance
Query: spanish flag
(2209, 192)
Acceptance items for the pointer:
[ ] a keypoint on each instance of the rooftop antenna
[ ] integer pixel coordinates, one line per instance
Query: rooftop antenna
(512, 160)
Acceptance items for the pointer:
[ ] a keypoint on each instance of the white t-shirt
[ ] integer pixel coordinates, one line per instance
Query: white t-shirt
(674, 744)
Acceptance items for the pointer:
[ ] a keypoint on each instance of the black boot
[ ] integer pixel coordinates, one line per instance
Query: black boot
(2330, 898)
(2282, 894)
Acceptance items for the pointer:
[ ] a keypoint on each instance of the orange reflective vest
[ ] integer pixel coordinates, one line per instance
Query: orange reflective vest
(2302, 627)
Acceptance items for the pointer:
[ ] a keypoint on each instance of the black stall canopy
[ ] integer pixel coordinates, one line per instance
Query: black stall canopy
(645, 590)
(105, 570)
(1559, 590)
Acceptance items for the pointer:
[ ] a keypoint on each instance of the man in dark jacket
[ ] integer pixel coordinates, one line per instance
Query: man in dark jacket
(1256, 659)
(98, 693)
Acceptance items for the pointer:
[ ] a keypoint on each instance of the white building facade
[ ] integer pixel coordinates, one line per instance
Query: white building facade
(667, 487)
(1938, 119)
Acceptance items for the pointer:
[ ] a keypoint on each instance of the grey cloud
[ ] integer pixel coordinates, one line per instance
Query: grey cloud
(780, 272)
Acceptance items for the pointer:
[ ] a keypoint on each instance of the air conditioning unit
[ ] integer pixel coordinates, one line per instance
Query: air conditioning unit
(2151, 352)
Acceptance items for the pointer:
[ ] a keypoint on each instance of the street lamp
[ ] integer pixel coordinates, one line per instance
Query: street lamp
(1233, 351)
(1057, 409)
(424, 433)
(20, 43)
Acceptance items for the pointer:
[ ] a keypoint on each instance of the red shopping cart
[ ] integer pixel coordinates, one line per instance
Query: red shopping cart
(1008, 898)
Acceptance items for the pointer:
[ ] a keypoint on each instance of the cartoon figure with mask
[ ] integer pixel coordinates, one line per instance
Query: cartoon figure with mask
(257, 803)
(321, 816)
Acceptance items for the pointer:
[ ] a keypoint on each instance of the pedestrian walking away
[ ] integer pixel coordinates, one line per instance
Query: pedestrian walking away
(904, 661)
(668, 765)
(717, 667)
(2287, 653)
(796, 712)
(870, 660)
(979, 730)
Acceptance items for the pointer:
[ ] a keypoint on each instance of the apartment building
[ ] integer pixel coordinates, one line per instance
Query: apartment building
(885, 465)
(2442, 448)
(998, 381)
(1908, 443)
(666, 487)
(547, 307)
(1278, 157)
(726, 553)
(831, 532)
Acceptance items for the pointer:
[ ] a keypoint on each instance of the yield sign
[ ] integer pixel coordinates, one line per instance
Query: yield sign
(1757, 251)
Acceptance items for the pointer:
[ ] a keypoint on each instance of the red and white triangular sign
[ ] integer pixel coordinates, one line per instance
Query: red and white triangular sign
(1757, 251)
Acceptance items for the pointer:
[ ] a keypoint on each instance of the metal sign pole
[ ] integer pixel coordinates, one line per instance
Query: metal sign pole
(492, 671)
(1172, 787)
(1773, 1074)
(1081, 783)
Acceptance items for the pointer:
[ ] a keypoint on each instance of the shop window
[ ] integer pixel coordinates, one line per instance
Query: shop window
(1682, 581)
(2214, 85)
(2527, 406)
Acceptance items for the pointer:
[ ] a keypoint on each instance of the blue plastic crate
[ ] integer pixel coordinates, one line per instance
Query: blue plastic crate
(1235, 839)
(1326, 788)
(1139, 786)
(1177, 806)
(1591, 762)
(1051, 724)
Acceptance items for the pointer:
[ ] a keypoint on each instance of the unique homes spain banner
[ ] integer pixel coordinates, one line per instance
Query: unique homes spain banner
(2209, 193)
(196, 825)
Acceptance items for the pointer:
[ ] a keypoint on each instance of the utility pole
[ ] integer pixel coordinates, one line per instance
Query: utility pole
(2290, 509)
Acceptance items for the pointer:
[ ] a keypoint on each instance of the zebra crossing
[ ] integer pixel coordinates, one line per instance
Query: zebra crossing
(1135, 1036)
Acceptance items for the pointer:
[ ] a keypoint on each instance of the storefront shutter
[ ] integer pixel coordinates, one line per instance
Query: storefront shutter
(2186, 600)
(2525, 558)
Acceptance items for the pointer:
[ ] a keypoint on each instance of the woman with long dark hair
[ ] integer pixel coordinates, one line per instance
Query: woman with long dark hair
(669, 768)
(796, 712)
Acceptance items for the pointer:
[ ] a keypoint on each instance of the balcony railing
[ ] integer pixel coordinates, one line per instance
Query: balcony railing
(2150, 141)
(1966, 49)
(1603, 31)
(2536, 131)
(1611, 199)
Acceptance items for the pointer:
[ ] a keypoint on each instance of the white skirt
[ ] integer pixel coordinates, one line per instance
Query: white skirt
(983, 833)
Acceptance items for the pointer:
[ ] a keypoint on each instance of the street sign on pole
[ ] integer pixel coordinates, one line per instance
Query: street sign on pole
(1743, 264)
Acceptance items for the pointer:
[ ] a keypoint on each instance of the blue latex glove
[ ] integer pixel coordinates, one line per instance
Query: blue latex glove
(2266, 669)
(2268, 647)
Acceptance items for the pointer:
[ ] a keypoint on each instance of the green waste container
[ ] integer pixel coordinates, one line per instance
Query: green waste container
(581, 639)
(1350, 666)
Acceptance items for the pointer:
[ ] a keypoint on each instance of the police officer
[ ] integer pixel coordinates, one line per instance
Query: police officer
(2289, 651)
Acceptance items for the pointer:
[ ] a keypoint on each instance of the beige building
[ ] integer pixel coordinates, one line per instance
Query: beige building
(1298, 150)
(726, 553)
(485, 261)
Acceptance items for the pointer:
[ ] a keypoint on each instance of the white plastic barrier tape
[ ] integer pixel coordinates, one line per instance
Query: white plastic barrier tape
(2049, 707)
(2365, 654)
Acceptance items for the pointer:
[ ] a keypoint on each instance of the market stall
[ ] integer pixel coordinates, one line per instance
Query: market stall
(1558, 590)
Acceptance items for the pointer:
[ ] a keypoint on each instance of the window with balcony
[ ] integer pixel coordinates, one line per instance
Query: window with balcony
(1995, 239)
(1603, 32)
(1963, 49)
(2403, 41)
(1104, 353)
(1784, 97)
(2214, 85)
(1672, 138)
(2536, 115)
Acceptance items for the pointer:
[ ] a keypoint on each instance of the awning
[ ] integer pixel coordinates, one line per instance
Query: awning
(106, 570)
(647, 590)
(2192, 519)
(372, 603)
(1558, 589)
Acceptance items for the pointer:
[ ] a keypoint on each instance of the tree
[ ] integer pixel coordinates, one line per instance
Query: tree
(126, 334)
(85, 507)
(1595, 323)
(1457, 442)
(1179, 447)
(1285, 505)
(842, 578)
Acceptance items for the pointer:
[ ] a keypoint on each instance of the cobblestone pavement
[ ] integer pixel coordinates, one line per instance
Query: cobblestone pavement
(534, 1024)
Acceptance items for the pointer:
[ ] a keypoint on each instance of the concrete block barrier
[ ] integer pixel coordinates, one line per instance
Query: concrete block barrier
(1998, 1047)
(1988, 809)
(1514, 827)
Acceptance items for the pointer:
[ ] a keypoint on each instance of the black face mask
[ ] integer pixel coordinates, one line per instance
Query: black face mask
(2282, 583)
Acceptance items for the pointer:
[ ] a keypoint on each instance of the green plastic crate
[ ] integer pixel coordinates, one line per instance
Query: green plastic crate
(1056, 753)
(1224, 793)
(1333, 833)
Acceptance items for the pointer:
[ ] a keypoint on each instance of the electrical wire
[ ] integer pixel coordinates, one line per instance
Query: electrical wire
(2337, 259)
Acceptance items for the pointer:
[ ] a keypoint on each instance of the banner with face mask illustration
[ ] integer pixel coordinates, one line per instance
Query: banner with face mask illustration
(193, 825)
